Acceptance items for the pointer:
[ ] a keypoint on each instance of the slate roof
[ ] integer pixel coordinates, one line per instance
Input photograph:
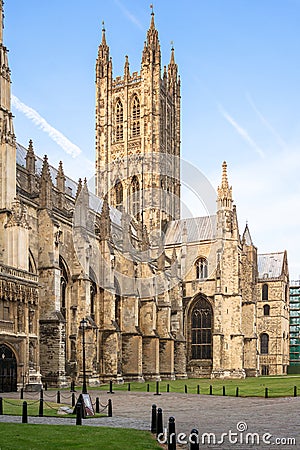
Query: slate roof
(197, 229)
(270, 265)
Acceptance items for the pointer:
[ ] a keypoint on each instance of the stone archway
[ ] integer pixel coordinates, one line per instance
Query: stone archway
(8, 369)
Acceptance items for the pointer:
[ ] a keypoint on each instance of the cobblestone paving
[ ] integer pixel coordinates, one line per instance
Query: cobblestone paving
(209, 414)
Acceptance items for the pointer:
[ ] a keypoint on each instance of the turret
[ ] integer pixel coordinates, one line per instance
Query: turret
(151, 52)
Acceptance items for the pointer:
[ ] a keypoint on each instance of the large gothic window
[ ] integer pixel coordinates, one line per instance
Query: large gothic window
(265, 292)
(119, 194)
(201, 329)
(135, 196)
(119, 121)
(136, 115)
(93, 292)
(264, 344)
(201, 268)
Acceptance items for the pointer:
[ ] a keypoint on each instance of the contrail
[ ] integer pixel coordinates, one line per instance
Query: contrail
(128, 14)
(266, 123)
(241, 131)
(54, 134)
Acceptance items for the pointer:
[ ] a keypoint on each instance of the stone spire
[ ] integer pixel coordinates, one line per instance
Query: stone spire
(79, 188)
(103, 63)
(104, 222)
(60, 178)
(126, 68)
(46, 186)
(224, 191)
(30, 158)
(151, 52)
(172, 73)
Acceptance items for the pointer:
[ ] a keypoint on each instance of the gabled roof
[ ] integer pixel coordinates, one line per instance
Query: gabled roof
(270, 265)
(195, 228)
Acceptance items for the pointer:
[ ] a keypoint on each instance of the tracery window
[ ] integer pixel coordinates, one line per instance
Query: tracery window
(119, 121)
(119, 194)
(201, 329)
(136, 115)
(135, 196)
(264, 344)
(201, 268)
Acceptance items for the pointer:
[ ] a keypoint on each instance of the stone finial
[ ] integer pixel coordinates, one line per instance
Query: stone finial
(126, 68)
(46, 185)
(79, 188)
(30, 158)
(104, 222)
(60, 178)
(225, 191)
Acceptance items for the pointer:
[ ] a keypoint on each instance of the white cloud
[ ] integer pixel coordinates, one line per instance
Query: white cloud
(241, 131)
(55, 135)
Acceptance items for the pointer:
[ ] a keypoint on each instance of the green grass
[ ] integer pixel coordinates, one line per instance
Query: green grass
(56, 437)
(280, 386)
(14, 407)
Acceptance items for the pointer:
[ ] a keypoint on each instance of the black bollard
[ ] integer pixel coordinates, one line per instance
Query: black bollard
(97, 405)
(128, 387)
(168, 387)
(153, 419)
(41, 394)
(194, 439)
(157, 388)
(21, 393)
(72, 386)
(295, 391)
(185, 389)
(237, 392)
(266, 393)
(46, 387)
(210, 390)
(148, 387)
(73, 399)
(224, 391)
(198, 389)
(41, 408)
(111, 387)
(24, 413)
(79, 414)
(58, 397)
(1, 406)
(159, 422)
(109, 408)
(171, 434)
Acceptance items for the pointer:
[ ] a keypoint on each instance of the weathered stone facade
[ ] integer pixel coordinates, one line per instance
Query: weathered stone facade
(163, 297)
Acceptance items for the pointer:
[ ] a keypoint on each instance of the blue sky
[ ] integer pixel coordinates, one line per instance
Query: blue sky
(239, 62)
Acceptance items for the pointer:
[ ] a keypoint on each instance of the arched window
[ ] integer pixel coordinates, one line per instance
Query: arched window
(201, 329)
(119, 194)
(63, 286)
(135, 196)
(201, 268)
(265, 292)
(264, 344)
(117, 303)
(119, 121)
(266, 310)
(93, 292)
(136, 115)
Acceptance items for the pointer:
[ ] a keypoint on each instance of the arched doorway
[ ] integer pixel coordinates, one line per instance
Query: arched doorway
(8, 369)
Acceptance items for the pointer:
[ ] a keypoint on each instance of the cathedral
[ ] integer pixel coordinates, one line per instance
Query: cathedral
(118, 274)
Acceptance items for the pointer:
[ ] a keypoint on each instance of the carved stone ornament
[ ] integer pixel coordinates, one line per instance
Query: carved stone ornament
(18, 215)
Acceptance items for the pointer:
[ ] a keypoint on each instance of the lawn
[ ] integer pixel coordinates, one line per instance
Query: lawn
(37, 437)
(281, 386)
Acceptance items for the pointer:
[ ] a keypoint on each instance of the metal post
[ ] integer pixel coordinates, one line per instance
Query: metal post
(266, 393)
(295, 391)
(1, 406)
(73, 399)
(22, 394)
(128, 387)
(97, 405)
(210, 390)
(168, 387)
(79, 414)
(110, 387)
(171, 434)
(24, 413)
(157, 388)
(148, 387)
(194, 439)
(153, 419)
(185, 389)
(41, 408)
(58, 397)
(198, 389)
(159, 422)
(109, 408)
(224, 391)
(42, 393)
(237, 392)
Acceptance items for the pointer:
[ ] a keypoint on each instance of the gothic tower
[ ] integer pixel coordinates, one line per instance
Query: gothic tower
(138, 135)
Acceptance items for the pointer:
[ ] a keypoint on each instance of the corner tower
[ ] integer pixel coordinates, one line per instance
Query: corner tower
(138, 135)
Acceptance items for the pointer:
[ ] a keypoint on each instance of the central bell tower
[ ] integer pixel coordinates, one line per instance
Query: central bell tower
(138, 135)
